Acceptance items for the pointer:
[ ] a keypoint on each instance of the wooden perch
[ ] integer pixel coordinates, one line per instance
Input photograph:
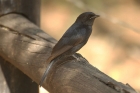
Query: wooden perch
(12, 80)
(27, 47)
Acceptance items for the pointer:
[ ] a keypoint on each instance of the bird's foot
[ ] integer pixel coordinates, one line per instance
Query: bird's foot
(76, 57)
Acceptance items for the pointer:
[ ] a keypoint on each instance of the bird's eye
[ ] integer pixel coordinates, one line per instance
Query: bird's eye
(91, 16)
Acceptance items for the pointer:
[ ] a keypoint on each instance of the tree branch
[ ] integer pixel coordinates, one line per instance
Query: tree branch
(15, 81)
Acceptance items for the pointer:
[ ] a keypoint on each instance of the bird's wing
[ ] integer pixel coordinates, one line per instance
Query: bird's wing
(68, 41)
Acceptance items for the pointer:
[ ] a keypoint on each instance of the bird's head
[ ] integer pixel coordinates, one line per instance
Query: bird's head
(86, 18)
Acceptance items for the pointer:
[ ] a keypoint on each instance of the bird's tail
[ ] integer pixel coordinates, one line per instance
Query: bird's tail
(46, 72)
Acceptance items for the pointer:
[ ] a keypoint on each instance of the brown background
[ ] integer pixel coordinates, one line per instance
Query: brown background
(114, 46)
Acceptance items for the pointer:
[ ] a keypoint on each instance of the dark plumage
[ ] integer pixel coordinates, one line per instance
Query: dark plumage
(73, 39)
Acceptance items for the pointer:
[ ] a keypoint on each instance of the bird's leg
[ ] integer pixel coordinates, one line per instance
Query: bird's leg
(75, 56)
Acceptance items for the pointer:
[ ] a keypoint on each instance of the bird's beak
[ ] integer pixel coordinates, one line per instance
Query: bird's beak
(94, 16)
(97, 16)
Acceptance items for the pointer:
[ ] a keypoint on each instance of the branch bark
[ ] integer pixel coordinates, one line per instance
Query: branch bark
(27, 47)
(12, 80)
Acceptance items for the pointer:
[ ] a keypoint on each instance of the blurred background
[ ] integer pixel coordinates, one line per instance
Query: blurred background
(114, 46)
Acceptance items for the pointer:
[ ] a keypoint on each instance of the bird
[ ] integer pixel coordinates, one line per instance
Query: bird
(73, 39)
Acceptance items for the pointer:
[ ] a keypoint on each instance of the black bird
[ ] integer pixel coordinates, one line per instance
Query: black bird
(73, 39)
